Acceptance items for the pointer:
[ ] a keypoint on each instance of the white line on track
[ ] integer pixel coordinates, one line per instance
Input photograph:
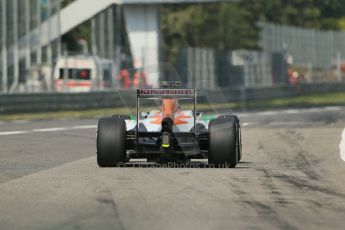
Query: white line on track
(46, 130)
(49, 130)
(342, 146)
(265, 113)
(282, 123)
(20, 122)
(85, 127)
(8, 133)
(291, 111)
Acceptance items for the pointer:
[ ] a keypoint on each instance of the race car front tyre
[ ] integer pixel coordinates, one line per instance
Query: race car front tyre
(111, 137)
(223, 135)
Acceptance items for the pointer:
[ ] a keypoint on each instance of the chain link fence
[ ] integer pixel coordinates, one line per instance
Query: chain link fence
(212, 68)
(288, 56)
(316, 56)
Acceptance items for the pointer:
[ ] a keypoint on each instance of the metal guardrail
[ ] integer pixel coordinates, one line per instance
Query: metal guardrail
(236, 95)
(45, 102)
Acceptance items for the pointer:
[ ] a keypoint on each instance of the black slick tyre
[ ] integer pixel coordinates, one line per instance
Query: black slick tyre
(223, 135)
(111, 139)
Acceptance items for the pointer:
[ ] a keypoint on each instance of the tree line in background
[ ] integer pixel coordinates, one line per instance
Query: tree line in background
(230, 25)
(234, 25)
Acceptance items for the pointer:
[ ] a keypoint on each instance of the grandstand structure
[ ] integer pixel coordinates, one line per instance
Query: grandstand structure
(31, 32)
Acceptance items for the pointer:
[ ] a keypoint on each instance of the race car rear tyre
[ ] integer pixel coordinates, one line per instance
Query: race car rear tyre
(223, 135)
(238, 134)
(239, 142)
(111, 138)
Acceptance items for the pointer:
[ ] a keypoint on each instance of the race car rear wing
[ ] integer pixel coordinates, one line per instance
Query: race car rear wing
(166, 93)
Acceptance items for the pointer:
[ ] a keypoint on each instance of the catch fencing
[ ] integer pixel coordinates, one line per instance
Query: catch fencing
(287, 56)
(204, 68)
(316, 55)
(317, 48)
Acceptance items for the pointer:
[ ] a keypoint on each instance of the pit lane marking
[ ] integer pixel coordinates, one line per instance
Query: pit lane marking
(47, 130)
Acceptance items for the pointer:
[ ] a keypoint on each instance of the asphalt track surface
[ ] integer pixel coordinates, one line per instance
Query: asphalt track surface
(291, 177)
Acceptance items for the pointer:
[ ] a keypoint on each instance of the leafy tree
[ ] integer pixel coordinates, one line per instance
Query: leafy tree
(66, 2)
(301, 13)
(332, 14)
(316, 14)
(231, 25)
(71, 39)
(220, 25)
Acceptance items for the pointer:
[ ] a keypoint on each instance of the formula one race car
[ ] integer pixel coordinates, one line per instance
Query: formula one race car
(169, 133)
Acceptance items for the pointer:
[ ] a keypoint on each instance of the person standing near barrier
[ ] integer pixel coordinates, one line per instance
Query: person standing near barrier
(125, 79)
(136, 80)
(140, 79)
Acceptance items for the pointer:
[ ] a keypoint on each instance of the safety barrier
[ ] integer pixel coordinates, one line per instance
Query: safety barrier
(44, 102)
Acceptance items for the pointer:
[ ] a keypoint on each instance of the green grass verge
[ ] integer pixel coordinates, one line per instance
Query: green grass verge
(327, 99)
